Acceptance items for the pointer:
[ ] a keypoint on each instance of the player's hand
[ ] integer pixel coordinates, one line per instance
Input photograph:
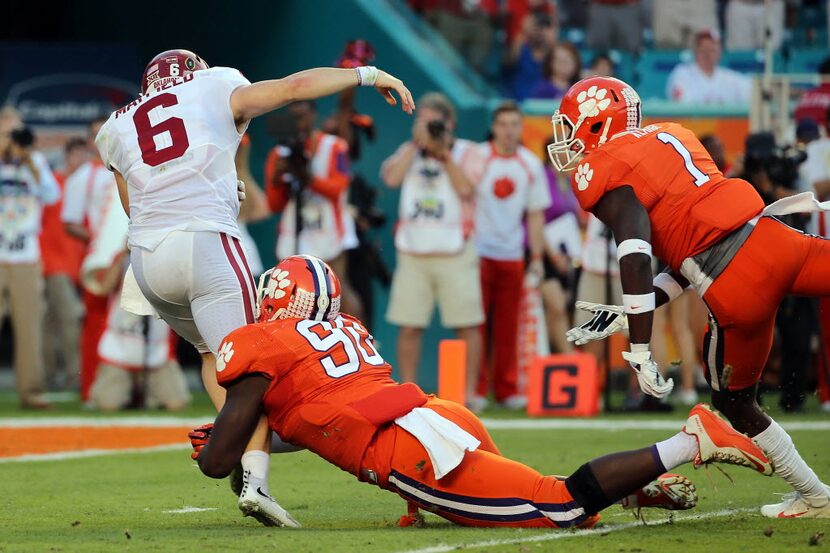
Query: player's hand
(386, 83)
(199, 438)
(240, 191)
(607, 320)
(648, 374)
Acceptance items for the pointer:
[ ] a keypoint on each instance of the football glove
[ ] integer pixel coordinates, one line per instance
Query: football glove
(240, 191)
(199, 438)
(607, 320)
(648, 374)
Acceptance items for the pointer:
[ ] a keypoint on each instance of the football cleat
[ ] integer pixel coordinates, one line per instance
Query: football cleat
(673, 492)
(795, 505)
(720, 443)
(253, 502)
(236, 480)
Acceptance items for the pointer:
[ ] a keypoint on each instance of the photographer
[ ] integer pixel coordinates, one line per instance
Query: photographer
(26, 185)
(307, 179)
(436, 260)
(774, 172)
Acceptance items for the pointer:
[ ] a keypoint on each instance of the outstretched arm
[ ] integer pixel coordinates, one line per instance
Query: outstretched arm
(259, 98)
(234, 426)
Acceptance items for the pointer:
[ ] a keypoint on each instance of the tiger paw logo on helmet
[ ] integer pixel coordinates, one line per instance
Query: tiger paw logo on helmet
(278, 284)
(223, 356)
(583, 176)
(593, 101)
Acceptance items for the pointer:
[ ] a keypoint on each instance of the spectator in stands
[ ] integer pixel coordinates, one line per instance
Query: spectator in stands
(26, 185)
(746, 22)
(815, 173)
(512, 14)
(465, 24)
(513, 189)
(523, 60)
(311, 168)
(675, 22)
(61, 255)
(702, 81)
(562, 68)
(601, 65)
(87, 191)
(562, 237)
(615, 24)
(437, 260)
(813, 104)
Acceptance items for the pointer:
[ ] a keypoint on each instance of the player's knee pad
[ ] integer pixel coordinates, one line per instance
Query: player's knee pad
(585, 489)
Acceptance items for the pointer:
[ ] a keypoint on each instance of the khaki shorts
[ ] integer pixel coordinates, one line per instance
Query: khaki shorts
(592, 288)
(451, 280)
(166, 387)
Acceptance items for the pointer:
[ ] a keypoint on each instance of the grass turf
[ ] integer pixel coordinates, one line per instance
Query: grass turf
(119, 502)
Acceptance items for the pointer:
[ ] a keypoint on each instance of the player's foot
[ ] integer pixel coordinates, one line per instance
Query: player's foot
(236, 480)
(669, 491)
(720, 443)
(254, 502)
(687, 397)
(795, 505)
(515, 402)
(477, 403)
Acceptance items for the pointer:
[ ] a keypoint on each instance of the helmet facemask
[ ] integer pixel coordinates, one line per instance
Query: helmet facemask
(565, 152)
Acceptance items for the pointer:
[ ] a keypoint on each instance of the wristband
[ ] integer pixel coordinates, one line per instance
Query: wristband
(666, 283)
(635, 304)
(633, 245)
(367, 75)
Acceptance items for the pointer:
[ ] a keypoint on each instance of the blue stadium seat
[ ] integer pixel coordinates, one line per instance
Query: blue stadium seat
(805, 60)
(651, 71)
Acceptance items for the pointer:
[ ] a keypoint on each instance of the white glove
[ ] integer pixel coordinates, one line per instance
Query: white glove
(648, 374)
(607, 320)
(240, 191)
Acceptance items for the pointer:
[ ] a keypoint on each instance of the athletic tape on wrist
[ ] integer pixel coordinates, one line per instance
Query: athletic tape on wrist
(367, 75)
(666, 283)
(638, 303)
(633, 245)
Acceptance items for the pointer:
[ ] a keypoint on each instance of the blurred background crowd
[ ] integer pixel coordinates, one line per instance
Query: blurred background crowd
(456, 211)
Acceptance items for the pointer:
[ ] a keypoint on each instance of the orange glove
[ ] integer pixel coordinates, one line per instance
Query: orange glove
(198, 438)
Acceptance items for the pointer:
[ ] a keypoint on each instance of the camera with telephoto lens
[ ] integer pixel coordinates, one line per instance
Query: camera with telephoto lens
(436, 129)
(23, 137)
(290, 145)
(780, 163)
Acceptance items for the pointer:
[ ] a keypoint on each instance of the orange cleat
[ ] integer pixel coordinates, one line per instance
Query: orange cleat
(720, 443)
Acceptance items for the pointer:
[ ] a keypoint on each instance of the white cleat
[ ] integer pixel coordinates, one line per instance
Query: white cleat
(795, 505)
(253, 502)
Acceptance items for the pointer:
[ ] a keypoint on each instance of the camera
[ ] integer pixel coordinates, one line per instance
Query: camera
(23, 137)
(436, 129)
(780, 163)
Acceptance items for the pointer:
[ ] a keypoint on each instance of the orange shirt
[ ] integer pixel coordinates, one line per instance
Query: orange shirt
(60, 252)
(690, 203)
(330, 389)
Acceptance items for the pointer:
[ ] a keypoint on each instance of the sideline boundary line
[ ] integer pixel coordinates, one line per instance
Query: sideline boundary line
(566, 534)
(79, 454)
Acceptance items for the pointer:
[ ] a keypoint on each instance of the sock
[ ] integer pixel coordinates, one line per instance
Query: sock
(257, 462)
(789, 465)
(677, 450)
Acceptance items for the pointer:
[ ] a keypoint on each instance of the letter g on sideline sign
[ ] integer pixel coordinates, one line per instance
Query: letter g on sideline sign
(563, 386)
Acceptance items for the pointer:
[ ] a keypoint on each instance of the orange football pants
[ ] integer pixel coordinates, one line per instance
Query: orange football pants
(775, 260)
(486, 489)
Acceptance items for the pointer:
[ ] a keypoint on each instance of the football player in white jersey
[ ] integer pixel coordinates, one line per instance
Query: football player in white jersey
(172, 152)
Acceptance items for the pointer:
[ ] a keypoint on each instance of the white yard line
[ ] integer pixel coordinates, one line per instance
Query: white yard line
(93, 422)
(64, 455)
(566, 534)
(188, 509)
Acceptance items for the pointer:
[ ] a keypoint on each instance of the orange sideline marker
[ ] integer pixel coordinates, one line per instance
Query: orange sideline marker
(452, 370)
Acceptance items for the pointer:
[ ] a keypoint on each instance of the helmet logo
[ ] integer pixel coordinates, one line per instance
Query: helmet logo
(277, 285)
(592, 101)
(583, 176)
(224, 356)
(190, 64)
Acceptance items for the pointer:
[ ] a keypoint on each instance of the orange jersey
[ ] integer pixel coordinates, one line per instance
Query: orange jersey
(691, 205)
(330, 389)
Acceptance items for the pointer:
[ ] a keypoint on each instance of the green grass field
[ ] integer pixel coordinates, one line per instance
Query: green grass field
(123, 502)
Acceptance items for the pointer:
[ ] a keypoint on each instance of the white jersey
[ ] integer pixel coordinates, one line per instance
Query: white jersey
(509, 188)
(175, 147)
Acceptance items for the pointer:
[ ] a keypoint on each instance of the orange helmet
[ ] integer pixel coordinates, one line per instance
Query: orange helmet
(591, 112)
(299, 287)
(169, 66)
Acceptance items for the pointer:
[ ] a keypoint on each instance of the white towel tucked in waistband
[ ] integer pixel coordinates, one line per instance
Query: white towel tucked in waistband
(805, 202)
(132, 300)
(445, 441)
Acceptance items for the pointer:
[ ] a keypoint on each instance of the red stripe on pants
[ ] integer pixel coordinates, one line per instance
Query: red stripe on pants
(501, 290)
(95, 323)
(245, 288)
